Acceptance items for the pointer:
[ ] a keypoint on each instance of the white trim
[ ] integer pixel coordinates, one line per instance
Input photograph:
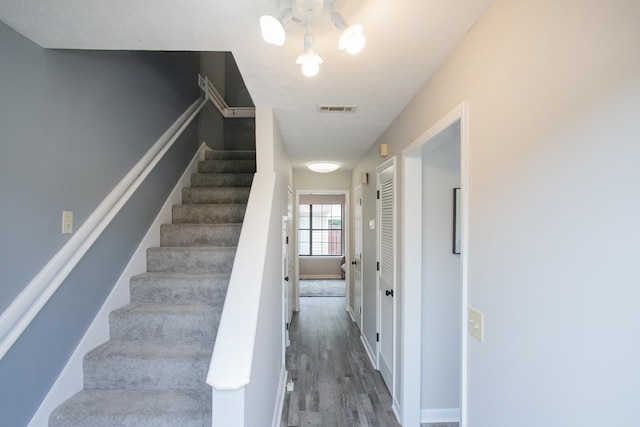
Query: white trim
(369, 351)
(448, 415)
(35, 295)
(351, 314)
(70, 380)
(280, 394)
(395, 407)
(412, 263)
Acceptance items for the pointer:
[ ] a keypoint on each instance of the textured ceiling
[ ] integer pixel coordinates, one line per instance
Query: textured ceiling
(406, 42)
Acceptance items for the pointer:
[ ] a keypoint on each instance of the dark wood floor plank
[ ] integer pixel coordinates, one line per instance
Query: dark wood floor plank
(334, 382)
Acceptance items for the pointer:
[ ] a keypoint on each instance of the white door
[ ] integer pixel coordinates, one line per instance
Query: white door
(357, 257)
(386, 271)
(286, 294)
(287, 268)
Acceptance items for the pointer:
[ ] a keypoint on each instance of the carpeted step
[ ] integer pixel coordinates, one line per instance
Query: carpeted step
(190, 260)
(134, 408)
(208, 214)
(148, 365)
(226, 166)
(179, 288)
(199, 234)
(230, 155)
(165, 322)
(215, 195)
(221, 179)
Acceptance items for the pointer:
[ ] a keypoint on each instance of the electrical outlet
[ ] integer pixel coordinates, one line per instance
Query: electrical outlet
(476, 323)
(67, 222)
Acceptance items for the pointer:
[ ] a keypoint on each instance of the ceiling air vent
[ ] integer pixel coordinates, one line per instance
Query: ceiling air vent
(337, 108)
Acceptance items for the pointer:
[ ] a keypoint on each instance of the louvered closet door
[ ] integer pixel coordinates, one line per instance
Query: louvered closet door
(386, 280)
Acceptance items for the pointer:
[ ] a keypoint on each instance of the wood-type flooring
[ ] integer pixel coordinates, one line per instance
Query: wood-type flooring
(334, 382)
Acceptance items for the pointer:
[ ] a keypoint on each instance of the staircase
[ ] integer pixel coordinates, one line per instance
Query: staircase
(153, 370)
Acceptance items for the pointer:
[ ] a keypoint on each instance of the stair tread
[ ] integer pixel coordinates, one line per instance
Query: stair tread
(134, 408)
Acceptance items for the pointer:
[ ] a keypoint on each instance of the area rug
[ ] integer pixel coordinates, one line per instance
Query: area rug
(322, 288)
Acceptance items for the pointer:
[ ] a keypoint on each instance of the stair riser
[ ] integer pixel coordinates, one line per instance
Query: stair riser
(221, 180)
(151, 365)
(199, 235)
(229, 155)
(135, 374)
(205, 195)
(192, 260)
(165, 289)
(134, 408)
(226, 166)
(163, 325)
(208, 214)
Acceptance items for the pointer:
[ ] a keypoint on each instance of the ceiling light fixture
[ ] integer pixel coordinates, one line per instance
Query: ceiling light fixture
(351, 37)
(273, 28)
(323, 167)
(302, 12)
(309, 60)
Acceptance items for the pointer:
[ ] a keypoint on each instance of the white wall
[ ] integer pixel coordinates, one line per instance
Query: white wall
(553, 91)
(264, 393)
(441, 276)
(304, 179)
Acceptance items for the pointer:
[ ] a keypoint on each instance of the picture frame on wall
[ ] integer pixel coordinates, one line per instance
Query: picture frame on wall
(457, 221)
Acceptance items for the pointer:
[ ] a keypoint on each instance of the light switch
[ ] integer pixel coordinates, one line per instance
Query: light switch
(476, 323)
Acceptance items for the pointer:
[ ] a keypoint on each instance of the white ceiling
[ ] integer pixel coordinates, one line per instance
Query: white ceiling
(406, 41)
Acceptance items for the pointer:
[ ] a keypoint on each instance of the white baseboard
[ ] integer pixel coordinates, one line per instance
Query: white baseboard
(70, 381)
(282, 387)
(350, 311)
(369, 350)
(446, 415)
(396, 410)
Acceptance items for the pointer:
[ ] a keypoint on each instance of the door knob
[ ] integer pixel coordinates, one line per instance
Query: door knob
(354, 262)
(389, 292)
(286, 278)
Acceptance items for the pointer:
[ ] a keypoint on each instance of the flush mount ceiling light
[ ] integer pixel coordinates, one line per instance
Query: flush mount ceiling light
(323, 167)
(302, 12)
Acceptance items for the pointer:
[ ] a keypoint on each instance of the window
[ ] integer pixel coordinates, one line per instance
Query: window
(320, 229)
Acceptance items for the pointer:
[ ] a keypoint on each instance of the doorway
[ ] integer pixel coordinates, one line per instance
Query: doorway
(318, 255)
(434, 276)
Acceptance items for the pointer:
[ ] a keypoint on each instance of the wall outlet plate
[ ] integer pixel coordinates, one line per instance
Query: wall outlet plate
(67, 222)
(476, 323)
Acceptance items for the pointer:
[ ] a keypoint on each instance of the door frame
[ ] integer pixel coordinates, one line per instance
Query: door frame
(345, 238)
(412, 262)
(382, 167)
(358, 238)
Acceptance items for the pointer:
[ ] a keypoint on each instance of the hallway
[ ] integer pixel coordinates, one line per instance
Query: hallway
(335, 384)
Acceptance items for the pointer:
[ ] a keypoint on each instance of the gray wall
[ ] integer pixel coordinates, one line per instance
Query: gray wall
(218, 132)
(72, 123)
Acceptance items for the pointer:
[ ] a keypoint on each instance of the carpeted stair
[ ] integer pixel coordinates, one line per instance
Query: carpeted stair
(153, 370)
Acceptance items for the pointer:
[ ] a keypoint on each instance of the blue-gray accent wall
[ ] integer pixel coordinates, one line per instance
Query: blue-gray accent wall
(72, 124)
